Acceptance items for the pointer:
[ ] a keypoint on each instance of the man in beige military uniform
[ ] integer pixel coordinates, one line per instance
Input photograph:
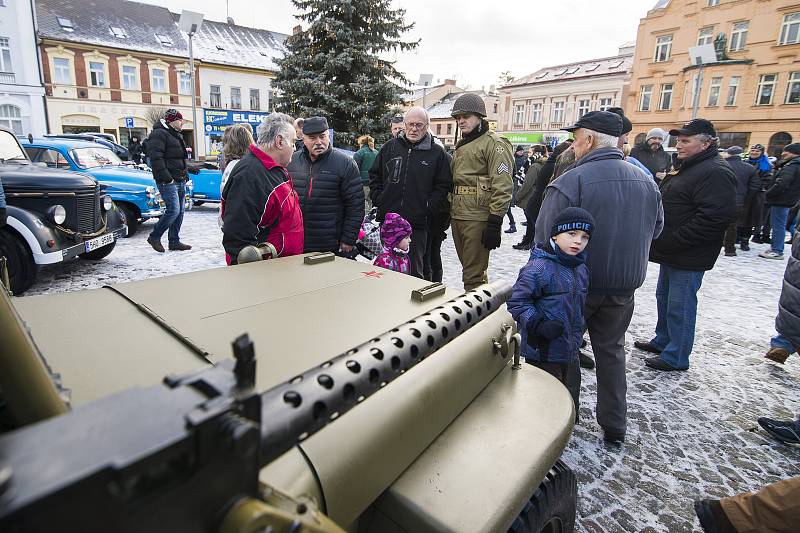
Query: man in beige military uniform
(482, 186)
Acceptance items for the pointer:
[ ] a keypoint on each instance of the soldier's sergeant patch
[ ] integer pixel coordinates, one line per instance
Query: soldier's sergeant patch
(502, 168)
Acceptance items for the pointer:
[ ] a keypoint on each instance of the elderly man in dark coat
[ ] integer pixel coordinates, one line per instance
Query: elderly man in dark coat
(699, 202)
(626, 206)
(328, 183)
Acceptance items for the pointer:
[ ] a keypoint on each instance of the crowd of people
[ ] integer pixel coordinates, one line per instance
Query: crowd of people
(289, 191)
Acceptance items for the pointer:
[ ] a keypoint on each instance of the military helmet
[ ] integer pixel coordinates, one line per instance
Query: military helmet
(469, 103)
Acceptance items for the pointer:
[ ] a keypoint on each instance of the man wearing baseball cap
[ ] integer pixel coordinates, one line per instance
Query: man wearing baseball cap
(699, 203)
(167, 153)
(626, 204)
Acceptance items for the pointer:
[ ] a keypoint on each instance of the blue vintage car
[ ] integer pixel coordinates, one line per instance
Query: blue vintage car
(206, 179)
(134, 191)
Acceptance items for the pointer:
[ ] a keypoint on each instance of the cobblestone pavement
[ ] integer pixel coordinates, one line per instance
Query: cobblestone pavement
(690, 435)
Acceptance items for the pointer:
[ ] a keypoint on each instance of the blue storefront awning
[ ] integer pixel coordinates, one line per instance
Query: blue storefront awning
(216, 120)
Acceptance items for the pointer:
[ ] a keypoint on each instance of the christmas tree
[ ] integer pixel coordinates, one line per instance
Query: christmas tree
(335, 67)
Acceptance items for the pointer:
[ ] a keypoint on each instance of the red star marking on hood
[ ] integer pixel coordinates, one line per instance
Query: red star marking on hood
(373, 274)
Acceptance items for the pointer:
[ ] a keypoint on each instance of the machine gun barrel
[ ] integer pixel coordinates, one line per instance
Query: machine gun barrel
(295, 410)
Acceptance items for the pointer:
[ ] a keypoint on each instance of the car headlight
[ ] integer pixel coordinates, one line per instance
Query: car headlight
(56, 214)
(151, 191)
(107, 203)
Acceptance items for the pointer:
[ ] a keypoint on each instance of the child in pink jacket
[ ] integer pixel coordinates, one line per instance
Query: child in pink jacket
(396, 238)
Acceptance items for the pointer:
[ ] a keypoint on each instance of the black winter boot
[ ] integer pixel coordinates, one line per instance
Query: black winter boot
(712, 518)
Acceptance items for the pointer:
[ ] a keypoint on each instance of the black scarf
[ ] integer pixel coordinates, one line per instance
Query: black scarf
(569, 261)
(482, 128)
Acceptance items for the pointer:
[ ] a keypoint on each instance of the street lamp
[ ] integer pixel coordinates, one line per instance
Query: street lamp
(190, 23)
(700, 56)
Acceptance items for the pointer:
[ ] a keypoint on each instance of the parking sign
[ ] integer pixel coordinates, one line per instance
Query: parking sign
(128, 122)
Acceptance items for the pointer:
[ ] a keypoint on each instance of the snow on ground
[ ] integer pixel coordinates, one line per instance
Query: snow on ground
(690, 435)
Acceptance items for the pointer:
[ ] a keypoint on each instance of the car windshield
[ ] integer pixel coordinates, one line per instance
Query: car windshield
(10, 148)
(95, 157)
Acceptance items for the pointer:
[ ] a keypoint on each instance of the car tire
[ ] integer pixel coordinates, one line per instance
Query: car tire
(552, 507)
(21, 267)
(131, 218)
(100, 253)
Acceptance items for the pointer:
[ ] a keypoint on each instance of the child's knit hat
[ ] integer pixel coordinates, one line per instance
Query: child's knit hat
(394, 229)
(571, 219)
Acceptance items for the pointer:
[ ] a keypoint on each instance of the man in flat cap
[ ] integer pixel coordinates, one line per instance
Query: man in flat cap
(626, 206)
(700, 201)
(331, 195)
(482, 186)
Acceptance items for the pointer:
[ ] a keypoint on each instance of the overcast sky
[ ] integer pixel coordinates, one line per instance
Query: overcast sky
(474, 41)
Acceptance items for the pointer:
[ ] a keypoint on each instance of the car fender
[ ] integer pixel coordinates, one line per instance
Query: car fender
(35, 232)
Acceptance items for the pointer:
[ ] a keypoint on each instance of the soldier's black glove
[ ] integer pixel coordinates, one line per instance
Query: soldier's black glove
(2, 216)
(491, 234)
(546, 330)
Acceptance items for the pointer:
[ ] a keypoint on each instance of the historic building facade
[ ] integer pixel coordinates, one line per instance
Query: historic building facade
(751, 93)
(21, 89)
(534, 108)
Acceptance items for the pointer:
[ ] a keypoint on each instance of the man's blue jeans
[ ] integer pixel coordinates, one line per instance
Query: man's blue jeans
(777, 217)
(676, 299)
(779, 341)
(173, 196)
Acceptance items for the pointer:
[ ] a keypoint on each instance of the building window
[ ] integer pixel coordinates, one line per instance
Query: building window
(790, 29)
(216, 97)
(438, 129)
(97, 74)
(739, 36)
(712, 3)
(185, 85)
(159, 80)
(605, 104)
(733, 138)
(583, 107)
(164, 40)
(706, 36)
(793, 90)
(236, 98)
(663, 48)
(11, 118)
(536, 113)
(519, 114)
(255, 99)
(5, 55)
(666, 97)
(118, 32)
(449, 129)
(645, 95)
(65, 24)
(713, 91)
(766, 88)
(558, 112)
(777, 143)
(733, 88)
(495, 108)
(129, 81)
(62, 70)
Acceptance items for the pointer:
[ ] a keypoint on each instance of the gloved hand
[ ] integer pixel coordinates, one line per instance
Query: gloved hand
(546, 329)
(491, 234)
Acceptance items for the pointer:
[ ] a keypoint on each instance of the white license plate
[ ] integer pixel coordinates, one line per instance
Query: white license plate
(99, 242)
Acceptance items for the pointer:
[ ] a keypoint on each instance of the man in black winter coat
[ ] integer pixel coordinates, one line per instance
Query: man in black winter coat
(411, 176)
(651, 153)
(331, 195)
(167, 153)
(781, 196)
(699, 199)
(747, 185)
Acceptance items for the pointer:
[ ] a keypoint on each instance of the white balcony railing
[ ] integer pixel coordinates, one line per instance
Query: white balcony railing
(6, 77)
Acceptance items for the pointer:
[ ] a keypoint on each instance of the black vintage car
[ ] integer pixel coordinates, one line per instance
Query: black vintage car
(53, 215)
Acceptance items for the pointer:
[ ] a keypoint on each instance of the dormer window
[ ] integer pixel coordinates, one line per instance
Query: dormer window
(616, 65)
(65, 24)
(573, 70)
(542, 75)
(164, 39)
(560, 72)
(118, 32)
(220, 47)
(263, 54)
(592, 67)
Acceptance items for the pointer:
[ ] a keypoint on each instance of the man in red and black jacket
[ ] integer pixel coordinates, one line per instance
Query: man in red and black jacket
(259, 203)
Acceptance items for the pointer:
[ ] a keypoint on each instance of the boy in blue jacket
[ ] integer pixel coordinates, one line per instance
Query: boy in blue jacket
(548, 299)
